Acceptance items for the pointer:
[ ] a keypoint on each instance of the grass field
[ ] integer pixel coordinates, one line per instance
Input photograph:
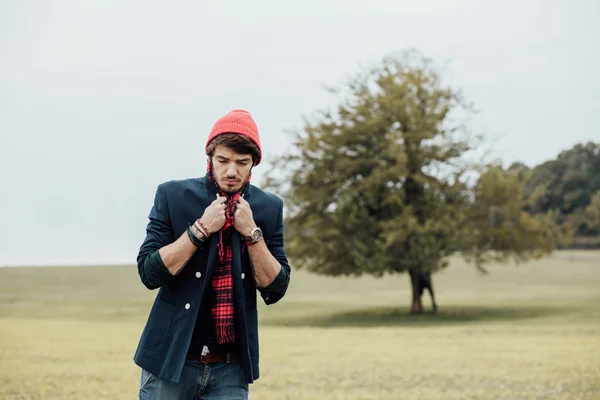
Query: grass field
(527, 332)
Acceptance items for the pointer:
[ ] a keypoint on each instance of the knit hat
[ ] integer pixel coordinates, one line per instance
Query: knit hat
(240, 122)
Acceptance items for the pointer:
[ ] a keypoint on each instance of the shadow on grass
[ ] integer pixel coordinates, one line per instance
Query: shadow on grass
(389, 316)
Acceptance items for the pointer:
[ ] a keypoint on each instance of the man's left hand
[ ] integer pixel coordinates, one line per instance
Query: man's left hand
(244, 219)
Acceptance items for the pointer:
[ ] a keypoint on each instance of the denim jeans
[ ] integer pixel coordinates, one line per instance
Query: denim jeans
(198, 382)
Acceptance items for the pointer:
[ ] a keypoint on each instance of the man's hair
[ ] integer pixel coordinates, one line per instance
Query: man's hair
(238, 143)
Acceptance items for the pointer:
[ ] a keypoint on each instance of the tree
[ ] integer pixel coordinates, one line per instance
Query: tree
(565, 186)
(592, 211)
(384, 184)
(498, 227)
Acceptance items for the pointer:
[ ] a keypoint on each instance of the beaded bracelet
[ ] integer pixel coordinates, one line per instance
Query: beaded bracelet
(200, 226)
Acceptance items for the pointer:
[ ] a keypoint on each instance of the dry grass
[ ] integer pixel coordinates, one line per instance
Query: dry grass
(531, 332)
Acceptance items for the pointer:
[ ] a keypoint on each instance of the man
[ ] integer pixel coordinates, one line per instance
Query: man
(211, 243)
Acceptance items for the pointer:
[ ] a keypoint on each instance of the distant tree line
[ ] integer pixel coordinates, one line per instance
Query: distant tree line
(569, 187)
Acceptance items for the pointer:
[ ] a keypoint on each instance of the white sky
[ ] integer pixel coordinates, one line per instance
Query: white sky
(102, 101)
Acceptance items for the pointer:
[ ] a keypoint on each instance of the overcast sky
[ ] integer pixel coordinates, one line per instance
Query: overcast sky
(102, 101)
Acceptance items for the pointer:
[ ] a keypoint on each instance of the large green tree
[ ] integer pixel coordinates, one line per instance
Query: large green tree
(387, 182)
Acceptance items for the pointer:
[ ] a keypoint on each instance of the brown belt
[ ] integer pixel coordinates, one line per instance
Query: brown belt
(214, 357)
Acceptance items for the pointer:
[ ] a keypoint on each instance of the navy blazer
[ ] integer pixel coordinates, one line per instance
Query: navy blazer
(167, 335)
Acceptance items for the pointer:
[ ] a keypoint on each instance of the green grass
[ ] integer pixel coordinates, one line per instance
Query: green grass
(527, 332)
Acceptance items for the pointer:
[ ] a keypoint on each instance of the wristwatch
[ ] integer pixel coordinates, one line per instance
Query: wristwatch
(255, 236)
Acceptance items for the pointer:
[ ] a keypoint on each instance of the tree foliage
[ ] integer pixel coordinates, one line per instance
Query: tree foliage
(565, 186)
(500, 229)
(592, 212)
(387, 182)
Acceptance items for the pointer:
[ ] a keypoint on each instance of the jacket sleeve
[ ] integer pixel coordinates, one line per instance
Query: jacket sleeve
(276, 289)
(159, 233)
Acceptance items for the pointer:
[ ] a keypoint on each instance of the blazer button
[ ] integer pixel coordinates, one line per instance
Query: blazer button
(187, 306)
(198, 274)
(243, 275)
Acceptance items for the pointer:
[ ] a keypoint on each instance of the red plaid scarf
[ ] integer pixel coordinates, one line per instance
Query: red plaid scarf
(222, 281)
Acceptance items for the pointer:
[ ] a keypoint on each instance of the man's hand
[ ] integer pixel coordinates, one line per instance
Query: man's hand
(244, 219)
(214, 215)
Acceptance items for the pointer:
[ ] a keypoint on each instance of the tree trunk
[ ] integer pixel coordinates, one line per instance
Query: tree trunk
(419, 282)
(417, 292)
(414, 193)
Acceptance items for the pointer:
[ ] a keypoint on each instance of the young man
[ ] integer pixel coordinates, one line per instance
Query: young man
(211, 243)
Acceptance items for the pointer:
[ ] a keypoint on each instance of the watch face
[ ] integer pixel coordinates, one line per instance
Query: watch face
(256, 234)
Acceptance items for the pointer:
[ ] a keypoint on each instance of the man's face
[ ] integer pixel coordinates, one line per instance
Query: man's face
(231, 169)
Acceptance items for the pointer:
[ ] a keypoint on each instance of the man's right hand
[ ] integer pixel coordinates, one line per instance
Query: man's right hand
(214, 215)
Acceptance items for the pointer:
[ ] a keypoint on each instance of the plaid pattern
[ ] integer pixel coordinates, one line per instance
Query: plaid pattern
(222, 280)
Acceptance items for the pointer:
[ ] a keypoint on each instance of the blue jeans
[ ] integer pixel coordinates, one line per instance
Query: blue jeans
(198, 381)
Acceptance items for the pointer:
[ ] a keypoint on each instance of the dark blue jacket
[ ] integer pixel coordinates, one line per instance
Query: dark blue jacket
(166, 337)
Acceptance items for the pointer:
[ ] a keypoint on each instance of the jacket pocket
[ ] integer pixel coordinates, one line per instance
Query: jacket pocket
(159, 323)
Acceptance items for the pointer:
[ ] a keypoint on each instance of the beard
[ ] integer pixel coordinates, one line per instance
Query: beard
(231, 185)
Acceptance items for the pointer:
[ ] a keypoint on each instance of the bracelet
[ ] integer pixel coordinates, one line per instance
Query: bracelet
(197, 225)
(196, 236)
(200, 226)
(205, 228)
(193, 238)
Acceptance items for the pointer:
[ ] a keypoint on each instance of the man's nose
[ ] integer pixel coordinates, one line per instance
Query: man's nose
(231, 169)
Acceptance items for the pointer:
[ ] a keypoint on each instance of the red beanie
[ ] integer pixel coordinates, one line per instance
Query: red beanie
(240, 122)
